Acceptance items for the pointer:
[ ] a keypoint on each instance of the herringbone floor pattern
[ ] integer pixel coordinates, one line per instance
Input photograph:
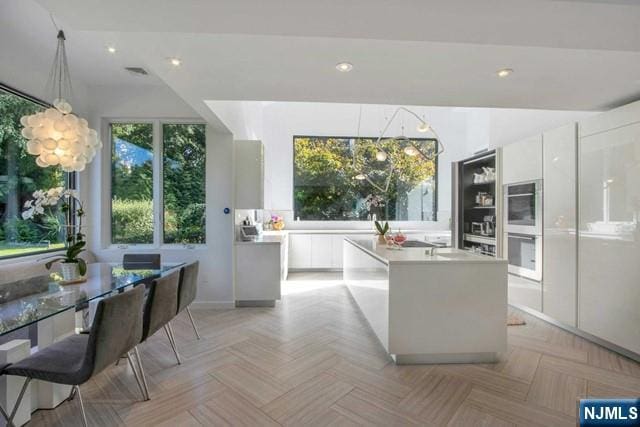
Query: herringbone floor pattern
(312, 360)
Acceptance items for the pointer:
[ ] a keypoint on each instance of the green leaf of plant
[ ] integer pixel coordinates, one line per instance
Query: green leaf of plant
(50, 263)
(82, 266)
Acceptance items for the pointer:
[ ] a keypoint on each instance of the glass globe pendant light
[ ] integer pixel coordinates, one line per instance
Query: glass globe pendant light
(57, 136)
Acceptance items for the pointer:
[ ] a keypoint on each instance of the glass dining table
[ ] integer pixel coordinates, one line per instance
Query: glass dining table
(31, 300)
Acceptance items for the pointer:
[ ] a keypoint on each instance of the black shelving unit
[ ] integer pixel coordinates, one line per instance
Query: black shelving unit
(476, 223)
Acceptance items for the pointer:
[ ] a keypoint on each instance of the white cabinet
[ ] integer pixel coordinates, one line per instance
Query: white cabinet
(249, 174)
(299, 250)
(522, 161)
(609, 233)
(321, 250)
(337, 250)
(559, 289)
(258, 272)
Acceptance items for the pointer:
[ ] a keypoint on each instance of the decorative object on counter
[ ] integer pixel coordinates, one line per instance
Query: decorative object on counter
(277, 222)
(381, 231)
(487, 176)
(73, 267)
(56, 136)
(395, 241)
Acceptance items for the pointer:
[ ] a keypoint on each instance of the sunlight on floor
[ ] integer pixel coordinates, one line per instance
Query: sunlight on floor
(302, 282)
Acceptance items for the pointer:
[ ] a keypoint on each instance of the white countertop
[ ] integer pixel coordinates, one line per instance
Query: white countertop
(419, 255)
(356, 231)
(264, 239)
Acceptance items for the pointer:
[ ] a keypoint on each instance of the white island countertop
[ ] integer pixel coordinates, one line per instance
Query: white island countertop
(263, 239)
(419, 255)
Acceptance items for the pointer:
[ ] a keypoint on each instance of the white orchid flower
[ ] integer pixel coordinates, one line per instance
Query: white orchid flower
(28, 214)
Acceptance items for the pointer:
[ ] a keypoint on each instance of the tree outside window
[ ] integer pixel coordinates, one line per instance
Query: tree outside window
(338, 179)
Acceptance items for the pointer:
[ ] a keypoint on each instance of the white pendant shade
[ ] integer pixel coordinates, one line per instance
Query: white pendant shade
(58, 137)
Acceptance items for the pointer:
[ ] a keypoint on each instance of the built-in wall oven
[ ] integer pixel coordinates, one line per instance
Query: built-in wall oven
(523, 228)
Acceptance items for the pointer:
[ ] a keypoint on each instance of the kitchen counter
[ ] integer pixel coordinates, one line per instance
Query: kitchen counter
(419, 255)
(446, 308)
(264, 239)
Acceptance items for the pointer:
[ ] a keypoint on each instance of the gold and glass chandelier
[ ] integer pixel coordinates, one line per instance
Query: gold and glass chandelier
(57, 136)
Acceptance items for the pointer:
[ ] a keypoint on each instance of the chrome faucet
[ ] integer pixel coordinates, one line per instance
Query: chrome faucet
(432, 251)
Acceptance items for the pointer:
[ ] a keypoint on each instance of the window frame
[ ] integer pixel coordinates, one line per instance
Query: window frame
(70, 178)
(293, 177)
(158, 179)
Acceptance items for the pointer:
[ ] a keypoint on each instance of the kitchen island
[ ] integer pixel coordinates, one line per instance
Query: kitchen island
(450, 307)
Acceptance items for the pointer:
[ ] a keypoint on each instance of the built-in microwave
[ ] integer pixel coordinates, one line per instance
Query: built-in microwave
(524, 252)
(523, 208)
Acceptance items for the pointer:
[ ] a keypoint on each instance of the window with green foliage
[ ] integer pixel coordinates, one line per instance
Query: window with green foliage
(132, 183)
(184, 182)
(340, 179)
(19, 178)
(182, 147)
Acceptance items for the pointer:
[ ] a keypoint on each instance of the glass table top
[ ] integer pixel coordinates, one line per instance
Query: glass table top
(30, 300)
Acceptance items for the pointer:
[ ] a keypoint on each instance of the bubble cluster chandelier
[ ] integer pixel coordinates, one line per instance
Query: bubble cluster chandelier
(57, 136)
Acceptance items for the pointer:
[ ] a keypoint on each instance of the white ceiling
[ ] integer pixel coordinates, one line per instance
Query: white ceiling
(570, 55)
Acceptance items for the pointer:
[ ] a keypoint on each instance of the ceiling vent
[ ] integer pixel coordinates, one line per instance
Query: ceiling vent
(138, 71)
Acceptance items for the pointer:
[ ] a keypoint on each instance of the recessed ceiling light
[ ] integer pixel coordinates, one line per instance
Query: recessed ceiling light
(111, 49)
(176, 62)
(344, 67)
(505, 72)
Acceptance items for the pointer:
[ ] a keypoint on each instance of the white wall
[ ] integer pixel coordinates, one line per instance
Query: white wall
(216, 288)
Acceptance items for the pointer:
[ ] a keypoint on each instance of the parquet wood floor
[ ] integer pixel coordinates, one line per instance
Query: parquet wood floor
(312, 360)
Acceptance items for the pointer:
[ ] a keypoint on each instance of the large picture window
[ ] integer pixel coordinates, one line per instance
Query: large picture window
(19, 178)
(142, 187)
(341, 179)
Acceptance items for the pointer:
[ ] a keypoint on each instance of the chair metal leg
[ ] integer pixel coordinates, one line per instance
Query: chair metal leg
(18, 402)
(144, 378)
(84, 415)
(169, 331)
(4, 414)
(193, 323)
(135, 374)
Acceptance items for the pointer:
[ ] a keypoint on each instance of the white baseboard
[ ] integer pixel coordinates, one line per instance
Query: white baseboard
(212, 305)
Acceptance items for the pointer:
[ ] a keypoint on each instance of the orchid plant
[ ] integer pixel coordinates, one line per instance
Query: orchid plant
(45, 203)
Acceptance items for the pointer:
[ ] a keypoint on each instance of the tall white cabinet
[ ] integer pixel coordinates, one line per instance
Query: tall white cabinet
(609, 233)
(559, 296)
(249, 174)
(522, 160)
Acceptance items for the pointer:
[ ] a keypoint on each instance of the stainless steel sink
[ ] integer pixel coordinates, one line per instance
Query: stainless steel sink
(417, 244)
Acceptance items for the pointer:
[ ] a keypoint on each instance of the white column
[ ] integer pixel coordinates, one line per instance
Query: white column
(10, 386)
(51, 330)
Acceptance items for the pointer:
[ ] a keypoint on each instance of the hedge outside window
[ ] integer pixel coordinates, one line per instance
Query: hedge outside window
(182, 183)
(132, 183)
(19, 178)
(329, 181)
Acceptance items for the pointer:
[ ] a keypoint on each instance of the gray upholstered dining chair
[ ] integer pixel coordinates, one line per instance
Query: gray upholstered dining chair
(141, 261)
(116, 330)
(187, 290)
(159, 309)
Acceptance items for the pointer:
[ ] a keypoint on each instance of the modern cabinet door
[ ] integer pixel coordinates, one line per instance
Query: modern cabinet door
(522, 161)
(249, 174)
(609, 234)
(321, 250)
(336, 251)
(559, 286)
(299, 251)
